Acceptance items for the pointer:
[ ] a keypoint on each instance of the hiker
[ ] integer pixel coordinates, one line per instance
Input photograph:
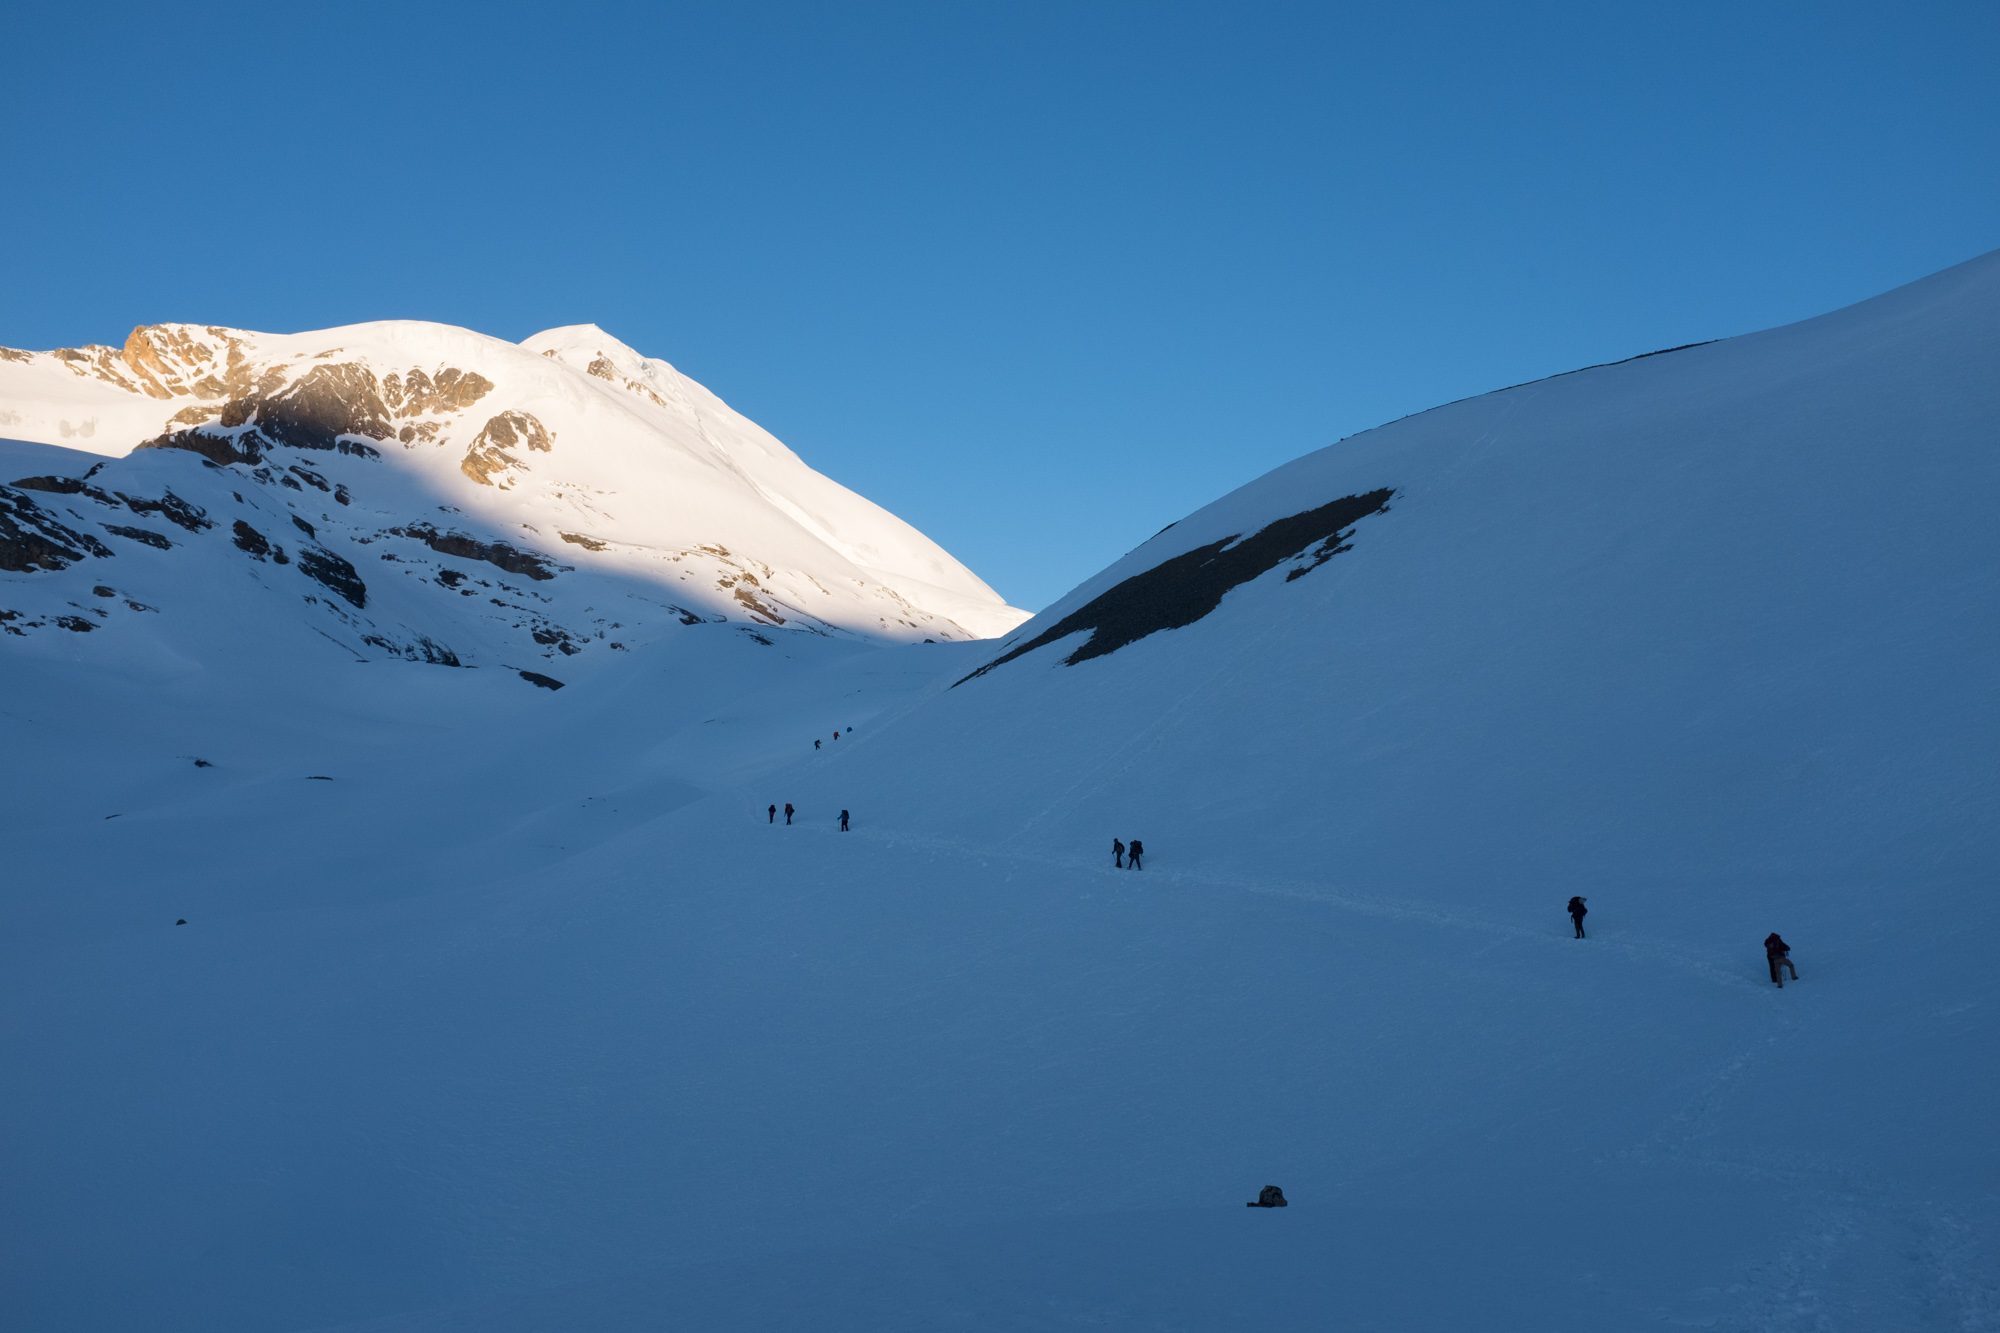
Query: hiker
(1117, 854)
(771, 815)
(1134, 852)
(815, 742)
(836, 735)
(1576, 914)
(1269, 1197)
(843, 821)
(788, 812)
(1778, 954)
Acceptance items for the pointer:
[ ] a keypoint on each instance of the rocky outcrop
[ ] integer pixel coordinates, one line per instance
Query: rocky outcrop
(172, 508)
(1182, 590)
(66, 486)
(33, 539)
(450, 390)
(338, 406)
(337, 576)
(499, 554)
(492, 451)
(143, 536)
(251, 540)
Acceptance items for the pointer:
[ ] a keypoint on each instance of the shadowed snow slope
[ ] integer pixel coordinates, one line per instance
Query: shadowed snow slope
(505, 1009)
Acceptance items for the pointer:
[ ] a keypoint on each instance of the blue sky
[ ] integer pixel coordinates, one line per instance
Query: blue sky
(1041, 278)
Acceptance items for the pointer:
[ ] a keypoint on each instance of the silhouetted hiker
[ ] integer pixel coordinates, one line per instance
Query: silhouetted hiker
(1576, 914)
(815, 742)
(771, 815)
(1269, 1197)
(843, 821)
(1779, 954)
(1117, 853)
(788, 812)
(1133, 853)
(836, 735)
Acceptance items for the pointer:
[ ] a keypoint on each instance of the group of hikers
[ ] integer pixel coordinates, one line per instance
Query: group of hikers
(836, 736)
(1119, 853)
(1777, 953)
(771, 815)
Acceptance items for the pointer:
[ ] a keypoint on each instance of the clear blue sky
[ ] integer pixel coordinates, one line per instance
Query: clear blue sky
(1041, 278)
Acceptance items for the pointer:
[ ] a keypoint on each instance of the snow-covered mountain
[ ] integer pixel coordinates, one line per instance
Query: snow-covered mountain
(505, 1010)
(415, 490)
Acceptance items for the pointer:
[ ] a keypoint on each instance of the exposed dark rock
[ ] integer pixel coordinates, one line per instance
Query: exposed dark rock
(76, 623)
(173, 509)
(222, 450)
(340, 494)
(537, 678)
(278, 556)
(66, 486)
(290, 482)
(203, 763)
(451, 578)
(303, 526)
(336, 573)
(251, 540)
(578, 539)
(1180, 591)
(509, 558)
(554, 636)
(131, 605)
(1269, 1197)
(182, 922)
(31, 538)
(318, 777)
(423, 650)
(141, 535)
(309, 477)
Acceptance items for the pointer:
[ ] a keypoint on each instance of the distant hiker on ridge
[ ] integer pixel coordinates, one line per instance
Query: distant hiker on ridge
(788, 812)
(1576, 914)
(771, 815)
(843, 821)
(1778, 954)
(1137, 850)
(815, 742)
(1117, 853)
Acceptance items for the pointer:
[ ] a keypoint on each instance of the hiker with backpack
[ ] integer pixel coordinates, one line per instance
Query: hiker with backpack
(1133, 853)
(1117, 854)
(843, 821)
(1576, 914)
(1779, 955)
(788, 812)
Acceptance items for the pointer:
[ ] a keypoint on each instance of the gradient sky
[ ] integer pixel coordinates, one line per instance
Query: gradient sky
(1040, 278)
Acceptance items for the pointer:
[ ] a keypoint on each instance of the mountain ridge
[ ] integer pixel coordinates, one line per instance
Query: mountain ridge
(571, 445)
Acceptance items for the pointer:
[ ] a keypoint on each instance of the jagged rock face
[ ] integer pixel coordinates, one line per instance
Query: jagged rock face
(491, 454)
(31, 538)
(403, 484)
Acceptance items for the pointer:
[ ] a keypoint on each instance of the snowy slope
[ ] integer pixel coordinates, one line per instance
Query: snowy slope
(478, 502)
(543, 1025)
